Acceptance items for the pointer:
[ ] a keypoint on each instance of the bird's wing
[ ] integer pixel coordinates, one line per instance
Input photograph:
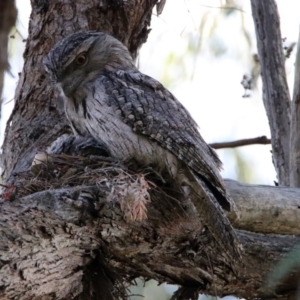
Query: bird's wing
(156, 113)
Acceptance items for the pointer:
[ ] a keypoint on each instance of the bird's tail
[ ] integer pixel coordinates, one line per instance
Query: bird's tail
(212, 215)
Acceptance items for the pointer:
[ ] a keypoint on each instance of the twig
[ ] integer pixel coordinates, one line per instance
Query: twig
(262, 140)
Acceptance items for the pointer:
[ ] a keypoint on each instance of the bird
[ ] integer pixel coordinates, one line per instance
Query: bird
(106, 97)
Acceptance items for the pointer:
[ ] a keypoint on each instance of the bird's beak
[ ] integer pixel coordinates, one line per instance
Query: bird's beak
(69, 85)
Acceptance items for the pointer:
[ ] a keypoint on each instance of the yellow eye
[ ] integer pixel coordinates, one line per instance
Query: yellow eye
(81, 60)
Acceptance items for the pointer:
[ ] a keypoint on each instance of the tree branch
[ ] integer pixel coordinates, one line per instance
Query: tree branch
(275, 89)
(50, 239)
(261, 140)
(266, 209)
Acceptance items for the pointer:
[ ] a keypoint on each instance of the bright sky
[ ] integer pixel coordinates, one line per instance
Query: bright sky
(214, 94)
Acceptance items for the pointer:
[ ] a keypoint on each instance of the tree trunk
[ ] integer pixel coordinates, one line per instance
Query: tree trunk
(66, 234)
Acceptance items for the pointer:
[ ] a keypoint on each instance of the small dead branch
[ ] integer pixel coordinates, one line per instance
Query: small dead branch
(261, 140)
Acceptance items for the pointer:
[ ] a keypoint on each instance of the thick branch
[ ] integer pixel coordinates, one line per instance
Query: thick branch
(49, 239)
(266, 209)
(275, 90)
(261, 140)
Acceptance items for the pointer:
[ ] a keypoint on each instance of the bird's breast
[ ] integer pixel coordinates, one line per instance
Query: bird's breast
(97, 119)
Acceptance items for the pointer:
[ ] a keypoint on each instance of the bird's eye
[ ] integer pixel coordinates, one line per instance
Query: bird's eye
(81, 60)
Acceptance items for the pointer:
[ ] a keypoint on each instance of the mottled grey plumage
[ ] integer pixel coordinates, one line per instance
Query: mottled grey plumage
(136, 117)
(78, 145)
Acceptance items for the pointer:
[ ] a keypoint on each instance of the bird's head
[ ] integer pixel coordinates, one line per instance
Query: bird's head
(82, 56)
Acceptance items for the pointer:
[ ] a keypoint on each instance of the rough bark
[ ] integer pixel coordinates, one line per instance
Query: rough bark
(275, 89)
(50, 239)
(37, 118)
(295, 127)
(8, 16)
